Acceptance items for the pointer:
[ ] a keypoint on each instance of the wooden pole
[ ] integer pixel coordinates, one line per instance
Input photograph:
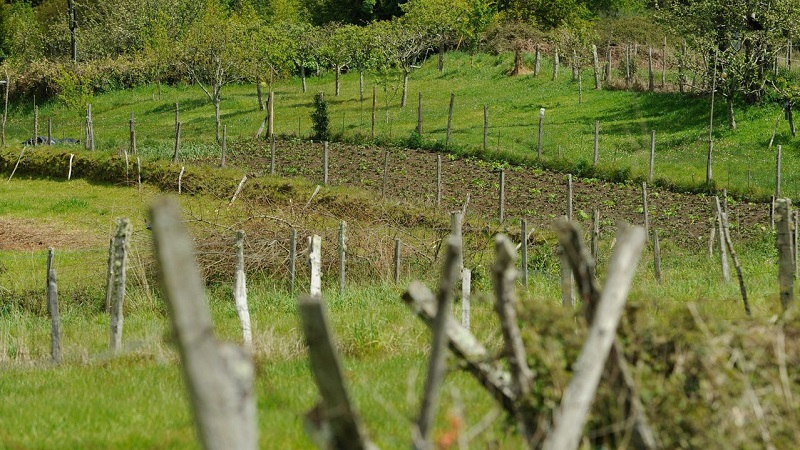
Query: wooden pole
(177, 143)
(139, 172)
(180, 180)
(121, 238)
(6, 86)
(729, 243)
(449, 121)
(555, 63)
(397, 244)
(502, 196)
(578, 397)
(374, 110)
(651, 85)
(240, 293)
(539, 142)
(109, 276)
(723, 253)
(69, 173)
(656, 256)
(52, 307)
(315, 265)
(709, 170)
(567, 293)
(646, 212)
(596, 63)
(456, 223)
(608, 65)
(342, 255)
(437, 360)
(524, 252)
(272, 155)
(785, 259)
(132, 132)
(49, 131)
(485, 126)
(325, 155)
(438, 181)
(292, 260)
(35, 125)
(224, 145)
(778, 173)
(219, 376)
(466, 294)
(652, 155)
(238, 190)
(772, 212)
(596, 158)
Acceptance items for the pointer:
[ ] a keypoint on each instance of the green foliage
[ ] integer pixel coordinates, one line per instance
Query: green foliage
(74, 90)
(22, 38)
(320, 119)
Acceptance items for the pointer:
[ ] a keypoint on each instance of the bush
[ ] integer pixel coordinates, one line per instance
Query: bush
(320, 119)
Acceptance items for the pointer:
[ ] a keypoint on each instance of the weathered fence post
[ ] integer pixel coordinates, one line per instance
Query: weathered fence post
(180, 179)
(645, 210)
(271, 112)
(238, 190)
(449, 121)
(502, 196)
(49, 131)
(292, 260)
(729, 243)
(109, 276)
(334, 422)
(437, 360)
(456, 222)
(35, 125)
(240, 293)
(219, 376)
(596, 64)
(785, 261)
(596, 158)
(651, 173)
(139, 173)
(539, 142)
(177, 151)
(567, 293)
(571, 417)
(69, 173)
(132, 133)
(726, 274)
(52, 307)
(315, 265)
(89, 145)
(121, 238)
(537, 61)
(555, 63)
(342, 254)
(651, 85)
(397, 260)
(524, 251)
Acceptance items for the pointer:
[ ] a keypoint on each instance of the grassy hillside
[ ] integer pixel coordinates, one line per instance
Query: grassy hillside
(743, 162)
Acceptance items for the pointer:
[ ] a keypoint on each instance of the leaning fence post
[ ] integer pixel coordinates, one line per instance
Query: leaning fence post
(723, 253)
(219, 376)
(726, 231)
(121, 238)
(656, 256)
(52, 307)
(449, 121)
(238, 190)
(578, 397)
(315, 265)
(132, 132)
(69, 173)
(437, 359)
(783, 208)
(240, 292)
(180, 179)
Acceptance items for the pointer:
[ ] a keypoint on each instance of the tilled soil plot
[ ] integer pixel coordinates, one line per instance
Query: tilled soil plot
(536, 195)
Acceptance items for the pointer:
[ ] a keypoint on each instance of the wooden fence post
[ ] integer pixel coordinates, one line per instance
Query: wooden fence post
(238, 190)
(69, 173)
(437, 360)
(778, 173)
(315, 265)
(537, 61)
(342, 254)
(785, 261)
(334, 422)
(524, 252)
(651, 85)
(466, 294)
(539, 142)
(501, 209)
(109, 276)
(49, 131)
(139, 172)
(271, 112)
(449, 121)
(52, 307)
(177, 143)
(456, 222)
(596, 158)
(645, 210)
(219, 376)
(664, 64)
(651, 173)
(121, 238)
(240, 293)
(723, 253)
(729, 243)
(571, 417)
(608, 65)
(180, 179)
(397, 260)
(132, 133)
(35, 125)
(555, 64)
(596, 63)
(567, 293)
(292, 260)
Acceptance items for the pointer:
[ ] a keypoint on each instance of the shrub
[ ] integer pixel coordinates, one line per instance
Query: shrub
(320, 119)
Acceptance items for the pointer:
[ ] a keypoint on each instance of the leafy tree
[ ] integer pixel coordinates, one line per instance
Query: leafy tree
(212, 53)
(305, 40)
(402, 44)
(22, 36)
(441, 20)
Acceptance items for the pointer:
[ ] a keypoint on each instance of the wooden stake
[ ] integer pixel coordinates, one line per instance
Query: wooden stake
(569, 197)
(596, 63)
(656, 256)
(35, 125)
(52, 307)
(121, 238)
(21, 154)
(723, 253)
(71, 158)
(785, 258)
(567, 293)
(238, 190)
(240, 293)
(132, 132)
(315, 265)
(645, 210)
(180, 180)
(139, 172)
(555, 64)
(778, 173)
(650, 78)
(219, 376)
(449, 121)
(729, 243)
(437, 360)
(524, 252)
(271, 112)
(177, 143)
(537, 62)
(49, 131)
(110, 276)
(292, 260)
(456, 223)
(664, 64)
(342, 255)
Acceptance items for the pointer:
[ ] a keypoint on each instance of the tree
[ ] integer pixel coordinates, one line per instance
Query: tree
(305, 40)
(212, 53)
(402, 44)
(440, 19)
(743, 36)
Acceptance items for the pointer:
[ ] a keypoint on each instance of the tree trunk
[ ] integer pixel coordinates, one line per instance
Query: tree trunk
(259, 93)
(361, 85)
(441, 55)
(731, 116)
(790, 118)
(216, 111)
(517, 62)
(406, 72)
(338, 84)
(303, 76)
